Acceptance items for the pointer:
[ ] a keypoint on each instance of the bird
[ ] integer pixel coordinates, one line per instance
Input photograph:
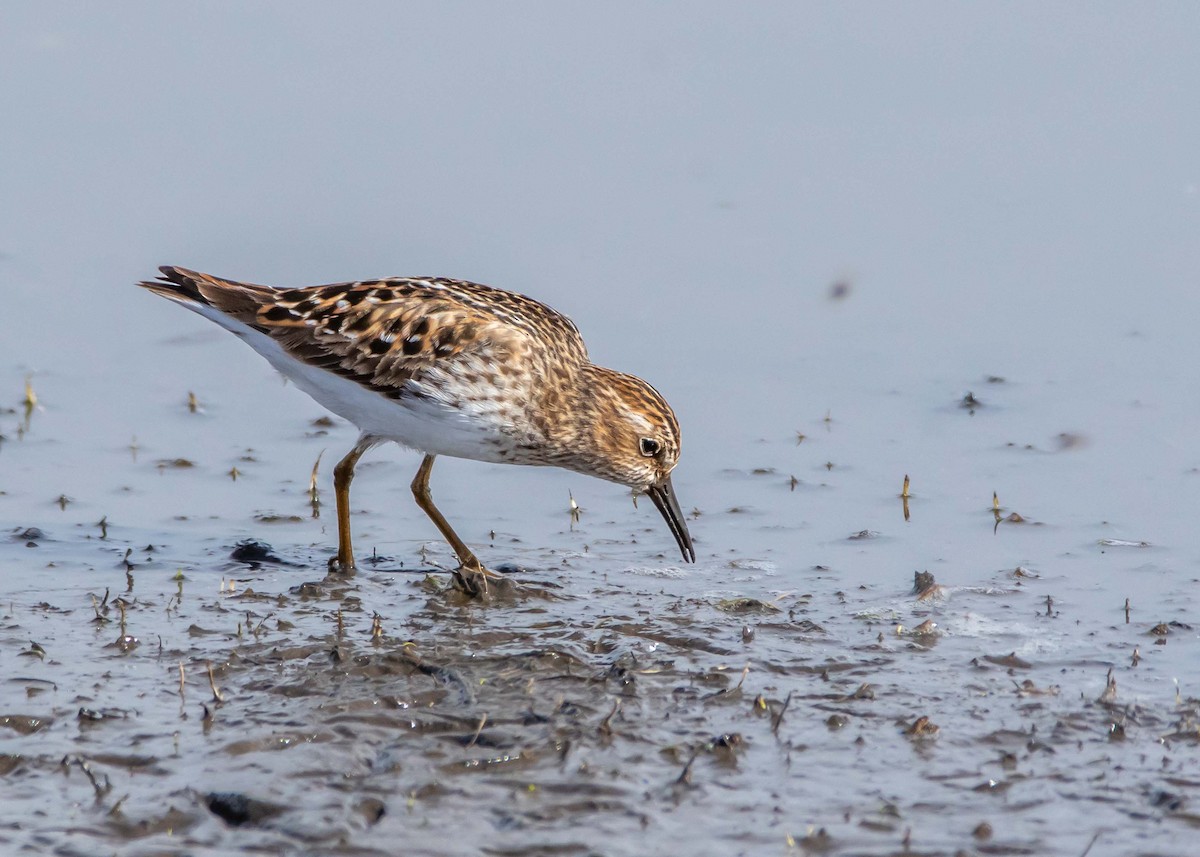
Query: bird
(452, 368)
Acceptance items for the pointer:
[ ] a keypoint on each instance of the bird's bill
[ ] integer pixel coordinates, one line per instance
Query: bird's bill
(664, 498)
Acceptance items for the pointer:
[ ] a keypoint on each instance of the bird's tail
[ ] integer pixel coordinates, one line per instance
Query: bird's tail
(195, 291)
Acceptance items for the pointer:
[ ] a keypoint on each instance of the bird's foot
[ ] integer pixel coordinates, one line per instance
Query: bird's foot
(339, 566)
(475, 581)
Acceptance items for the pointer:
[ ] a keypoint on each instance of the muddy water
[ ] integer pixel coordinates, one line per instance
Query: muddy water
(851, 251)
(793, 687)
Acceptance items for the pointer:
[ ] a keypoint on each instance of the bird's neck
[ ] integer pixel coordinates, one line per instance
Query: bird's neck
(589, 422)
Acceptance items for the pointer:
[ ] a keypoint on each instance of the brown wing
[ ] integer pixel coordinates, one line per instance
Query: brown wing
(385, 333)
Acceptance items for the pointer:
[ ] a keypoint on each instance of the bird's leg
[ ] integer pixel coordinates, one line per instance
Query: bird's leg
(471, 576)
(343, 473)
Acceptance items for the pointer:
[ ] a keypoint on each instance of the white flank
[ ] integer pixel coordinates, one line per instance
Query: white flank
(430, 424)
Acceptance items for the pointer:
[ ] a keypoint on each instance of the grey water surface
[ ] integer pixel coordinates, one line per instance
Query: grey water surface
(848, 242)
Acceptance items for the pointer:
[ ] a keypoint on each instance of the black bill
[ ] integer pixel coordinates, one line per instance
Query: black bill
(663, 496)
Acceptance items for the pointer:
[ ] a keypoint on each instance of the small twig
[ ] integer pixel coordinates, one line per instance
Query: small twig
(778, 718)
(314, 492)
(96, 607)
(605, 727)
(181, 679)
(685, 776)
(575, 510)
(212, 682)
(100, 790)
(478, 729)
(116, 807)
(258, 629)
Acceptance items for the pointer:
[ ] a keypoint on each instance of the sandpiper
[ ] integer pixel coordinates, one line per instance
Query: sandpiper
(454, 368)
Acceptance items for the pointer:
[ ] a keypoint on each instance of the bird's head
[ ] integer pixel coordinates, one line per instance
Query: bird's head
(634, 440)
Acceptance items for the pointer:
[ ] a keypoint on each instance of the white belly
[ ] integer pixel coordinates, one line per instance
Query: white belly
(421, 423)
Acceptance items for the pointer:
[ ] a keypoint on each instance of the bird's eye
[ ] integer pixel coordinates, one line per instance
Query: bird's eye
(649, 447)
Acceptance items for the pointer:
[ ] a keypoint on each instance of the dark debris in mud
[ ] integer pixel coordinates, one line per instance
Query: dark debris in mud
(238, 809)
(255, 553)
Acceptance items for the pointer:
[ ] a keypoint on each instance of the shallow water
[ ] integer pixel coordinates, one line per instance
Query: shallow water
(817, 248)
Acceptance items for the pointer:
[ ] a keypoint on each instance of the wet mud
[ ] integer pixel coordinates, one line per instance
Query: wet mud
(213, 695)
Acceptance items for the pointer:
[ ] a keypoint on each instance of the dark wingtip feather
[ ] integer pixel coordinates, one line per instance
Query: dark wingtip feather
(175, 274)
(176, 283)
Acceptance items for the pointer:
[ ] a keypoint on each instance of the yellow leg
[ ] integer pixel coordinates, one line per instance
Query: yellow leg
(343, 473)
(471, 576)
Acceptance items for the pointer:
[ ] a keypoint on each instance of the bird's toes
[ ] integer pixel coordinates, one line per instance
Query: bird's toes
(475, 581)
(471, 582)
